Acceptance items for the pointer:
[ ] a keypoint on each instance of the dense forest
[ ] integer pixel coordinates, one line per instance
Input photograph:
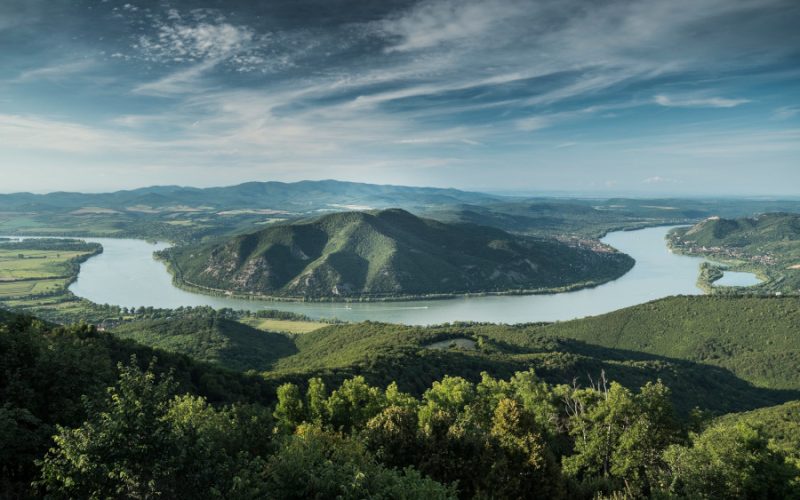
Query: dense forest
(702, 347)
(75, 398)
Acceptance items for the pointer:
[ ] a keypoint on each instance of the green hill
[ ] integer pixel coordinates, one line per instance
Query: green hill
(211, 339)
(755, 338)
(716, 352)
(719, 353)
(768, 244)
(388, 253)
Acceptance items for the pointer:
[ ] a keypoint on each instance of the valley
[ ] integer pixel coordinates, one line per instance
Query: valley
(399, 250)
(637, 340)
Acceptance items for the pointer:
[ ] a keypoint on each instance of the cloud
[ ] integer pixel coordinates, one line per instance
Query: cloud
(256, 83)
(724, 144)
(657, 179)
(179, 82)
(433, 23)
(533, 123)
(55, 72)
(702, 102)
(38, 133)
(786, 112)
(181, 42)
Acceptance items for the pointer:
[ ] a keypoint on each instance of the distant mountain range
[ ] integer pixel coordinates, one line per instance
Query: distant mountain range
(387, 253)
(301, 196)
(186, 214)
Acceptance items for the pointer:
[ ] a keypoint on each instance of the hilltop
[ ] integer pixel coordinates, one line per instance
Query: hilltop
(768, 244)
(388, 253)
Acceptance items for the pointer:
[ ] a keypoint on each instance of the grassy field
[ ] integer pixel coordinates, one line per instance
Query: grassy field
(11, 289)
(283, 325)
(59, 225)
(38, 269)
(35, 274)
(35, 264)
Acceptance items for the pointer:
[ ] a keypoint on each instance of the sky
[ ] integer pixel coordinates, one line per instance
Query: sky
(646, 97)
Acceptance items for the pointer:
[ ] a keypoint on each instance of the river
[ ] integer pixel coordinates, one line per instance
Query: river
(126, 274)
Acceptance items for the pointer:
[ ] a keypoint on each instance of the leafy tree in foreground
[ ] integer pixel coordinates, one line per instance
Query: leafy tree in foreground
(148, 443)
(730, 461)
(321, 465)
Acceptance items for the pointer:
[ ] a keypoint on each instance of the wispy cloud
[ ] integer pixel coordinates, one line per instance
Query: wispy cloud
(698, 102)
(534, 123)
(37, 133)
(432, 23)
(299, 84)
(657, 179)
(786, 112)
(179, 41)
(182, 81)
(55, 72)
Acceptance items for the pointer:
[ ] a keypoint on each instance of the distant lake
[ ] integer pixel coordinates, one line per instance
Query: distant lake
(737, 278)
(126, 274)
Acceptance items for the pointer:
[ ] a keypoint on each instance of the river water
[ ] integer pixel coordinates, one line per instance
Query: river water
(126, 274)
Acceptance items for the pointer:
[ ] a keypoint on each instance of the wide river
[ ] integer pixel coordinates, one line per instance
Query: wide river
(126, 274)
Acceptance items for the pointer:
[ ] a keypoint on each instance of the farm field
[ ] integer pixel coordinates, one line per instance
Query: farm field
(40, 267)
(35, 274)
(283, 325)
(35, 264)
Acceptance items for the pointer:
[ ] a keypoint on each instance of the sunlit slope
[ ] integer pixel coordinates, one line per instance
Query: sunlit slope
(207, 338)
(719, 353)
(755, 338)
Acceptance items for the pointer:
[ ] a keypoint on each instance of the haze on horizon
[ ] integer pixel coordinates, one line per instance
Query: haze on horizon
(643, 96)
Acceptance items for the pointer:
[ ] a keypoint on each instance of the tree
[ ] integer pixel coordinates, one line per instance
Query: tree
(289, 412)
(443, 402)
(729, 462)
(147, 443)
(619, 437)
(637, 458)
(315, 401)
(353, 404)
(319, 465)
(392, 436)
(521, 460)
(125, 450)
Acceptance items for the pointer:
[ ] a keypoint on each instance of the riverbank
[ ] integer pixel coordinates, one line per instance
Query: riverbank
(712, 272)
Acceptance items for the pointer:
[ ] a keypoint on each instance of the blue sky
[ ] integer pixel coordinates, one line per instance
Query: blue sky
(646, 97)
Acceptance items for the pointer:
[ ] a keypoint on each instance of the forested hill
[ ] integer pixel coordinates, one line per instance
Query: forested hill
(768, 244)
(388, 253)
(717, 353)
(745, 232)
(82, 419)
